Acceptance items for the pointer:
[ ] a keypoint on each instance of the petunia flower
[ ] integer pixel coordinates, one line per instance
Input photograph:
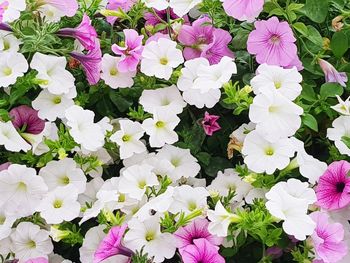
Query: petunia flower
(272, 42)
(37, 260)
(12, 66)
(111, 245)
(203, 40)
(124, 5)
(85, 33)
(26, 120)
(328, 239)
(209, 124)
(243, 10)
(331, 74)
(11, 10)
(66, 7)
(202, 251)
(130, 52)
(3, 7)
(333, 189)
(91, 63)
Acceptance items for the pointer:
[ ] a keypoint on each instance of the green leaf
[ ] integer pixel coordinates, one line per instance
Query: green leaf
(301, 28)
(295, 6)
(346, 141)
(316, 10)
(203, 157)
(331, 90)
(310, 122)
(277, 12)
(308, 93)
(339, 44)
(121, 103)
(314, 36)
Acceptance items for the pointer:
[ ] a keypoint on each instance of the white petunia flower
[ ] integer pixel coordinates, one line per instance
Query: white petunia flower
(21, 190)
(220, 219)
(289, 202)
(10, 138)
(6, 223)
(147, 235)
(160, 57)
(343, 107)
(261, 155)
(135, 179)
(51, 106)
(157, 4)
(92, 187)
(184, 164)
(275, 116)
(12, 66)
(188, 199)
(114, 78)
(13, 11)
(84, 131)
(60, 205)
(284, 81)
(8, 42)
(168, 98)
(29, 241)
(128, 138)
(161, 127)
(341, 128)
(182, 7)
(52, 73)
(227, 181)
(63, 173)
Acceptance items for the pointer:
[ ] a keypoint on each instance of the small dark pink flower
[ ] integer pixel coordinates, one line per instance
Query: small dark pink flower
(210, 124)
(202, 251)
(112, 245)
(85, 33)
(3, 7)
(333, 189)
(131, 51)
(91, 63)
(203, 40)
(4, 166)
(37, 260)
(196, 229)
(26, 120)
(331, 74)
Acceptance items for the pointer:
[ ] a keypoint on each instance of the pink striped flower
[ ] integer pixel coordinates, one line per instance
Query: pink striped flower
(202, 251)
(210, 124)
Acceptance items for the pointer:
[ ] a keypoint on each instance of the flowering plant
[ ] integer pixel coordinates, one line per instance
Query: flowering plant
(174, 131)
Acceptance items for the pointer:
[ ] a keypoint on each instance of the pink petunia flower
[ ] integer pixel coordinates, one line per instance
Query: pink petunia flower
(272, 42)
(243, 10)
(111, 245)
(37, 260)
(3, 7)
(331, 74)
(333, 189)
(115, 5)
(26, 119)
(84, 33)
(202, 251)
(210, 124)
(91, 63)
(4, 166)
(203, 40)
(196, 229)
(328, 239)
(67, 7)
(131, 51)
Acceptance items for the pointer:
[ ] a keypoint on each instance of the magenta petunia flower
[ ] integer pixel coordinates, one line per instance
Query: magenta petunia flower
(243, 10)
(85, 33)
(328, 239)
(272, 42)
(131, 51)
(210, 124)
(196, 229)
(91, 63)
(67, 7)
(37, 260)
(333, 189)
(3, 7)
(202, 251)
(111, 245)
(26, 120)
(331, 74)
(203, 40)
(124, 5)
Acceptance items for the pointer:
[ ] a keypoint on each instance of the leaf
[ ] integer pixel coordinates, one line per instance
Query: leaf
(203, 157)
(346, 141)
(301, 28)
(331, 90)
(314, 36)
(310, 122)
(308, 93)
(339, 44)
(316, 10)
(121, 103)
(217, 164)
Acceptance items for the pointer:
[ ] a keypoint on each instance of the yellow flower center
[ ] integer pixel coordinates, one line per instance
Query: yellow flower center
(163, 61)
(7, 71)
(57, 203)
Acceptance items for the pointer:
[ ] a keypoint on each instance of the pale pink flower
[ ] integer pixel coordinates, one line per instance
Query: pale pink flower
(115, 5)
(243, 10)
(331, 74)
(210, 124)
(37, 260)
(3, 7)
(131, 51)
(67, 7)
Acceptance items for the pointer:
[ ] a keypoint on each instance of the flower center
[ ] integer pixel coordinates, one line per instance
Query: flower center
(150, 236)
(57, 203)
(126, 138)
(340, 187)
(275, 39)
(113, 72)
(163, 61)
(121, 198)
(175, 162)
(31, 244)
(2, 220)
(192, 206)
(278, 84)
(160, 124)
(142, 184)
(269, 151)
(64, 180)
(56, 100)
(7, 71)
(273, 109)
(22, 186)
